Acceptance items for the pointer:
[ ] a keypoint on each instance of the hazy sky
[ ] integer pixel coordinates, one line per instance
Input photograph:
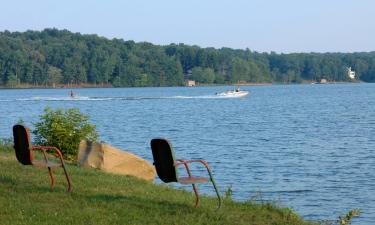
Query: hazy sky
(260, 25)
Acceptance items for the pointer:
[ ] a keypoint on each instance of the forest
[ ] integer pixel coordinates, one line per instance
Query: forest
(59, 57)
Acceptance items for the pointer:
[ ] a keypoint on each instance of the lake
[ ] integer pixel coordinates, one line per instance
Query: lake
(308, 147)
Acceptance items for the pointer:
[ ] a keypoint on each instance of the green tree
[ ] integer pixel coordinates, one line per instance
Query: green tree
(116, 82)
(12, 81)
(142, 80)
(203, 75)
(54, 75)
(209, 75)
(219, 78)
(239, 70)
(64, 129)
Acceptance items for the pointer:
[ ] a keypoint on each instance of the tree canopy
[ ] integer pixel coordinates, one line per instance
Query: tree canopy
(55, 56)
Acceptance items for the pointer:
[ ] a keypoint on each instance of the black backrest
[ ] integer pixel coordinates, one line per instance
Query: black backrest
(22, 144)
(164, 160)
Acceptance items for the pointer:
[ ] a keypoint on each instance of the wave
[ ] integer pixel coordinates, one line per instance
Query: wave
(291, 191)
(78, 98)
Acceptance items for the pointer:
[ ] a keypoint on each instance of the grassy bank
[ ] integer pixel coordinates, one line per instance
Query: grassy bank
(102, 198)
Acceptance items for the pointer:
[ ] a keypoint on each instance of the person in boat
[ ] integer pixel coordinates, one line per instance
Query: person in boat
(72, 95)
(237, 89)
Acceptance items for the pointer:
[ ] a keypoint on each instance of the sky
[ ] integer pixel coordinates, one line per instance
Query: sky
(282, 26)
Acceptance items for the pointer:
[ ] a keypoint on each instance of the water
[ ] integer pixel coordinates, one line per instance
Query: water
(308, 147)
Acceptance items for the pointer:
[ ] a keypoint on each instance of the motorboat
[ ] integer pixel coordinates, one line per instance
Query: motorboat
(233, 93)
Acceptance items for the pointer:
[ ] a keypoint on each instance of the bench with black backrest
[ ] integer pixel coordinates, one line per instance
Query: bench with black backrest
(166, 167)
(24, 155)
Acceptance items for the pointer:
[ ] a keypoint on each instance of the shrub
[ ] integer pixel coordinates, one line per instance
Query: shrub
(228, 193)
(64, 129)
(6, 144)
(347, 219)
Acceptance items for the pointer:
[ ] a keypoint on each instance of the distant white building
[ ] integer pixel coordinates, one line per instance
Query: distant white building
(351, 73)
(190, 83)
(323, 81)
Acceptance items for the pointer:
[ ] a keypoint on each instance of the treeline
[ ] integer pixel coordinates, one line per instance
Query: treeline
(61, 57)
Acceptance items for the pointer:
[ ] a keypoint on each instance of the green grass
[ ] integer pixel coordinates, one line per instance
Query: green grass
(102, 198)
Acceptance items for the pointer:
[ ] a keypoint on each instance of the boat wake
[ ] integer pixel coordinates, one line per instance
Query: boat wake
(127, 98)
(205, 97)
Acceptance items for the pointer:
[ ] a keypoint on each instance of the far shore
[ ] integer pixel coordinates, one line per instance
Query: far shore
(87, 85)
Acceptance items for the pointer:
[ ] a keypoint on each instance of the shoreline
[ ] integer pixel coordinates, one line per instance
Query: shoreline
(200, 85)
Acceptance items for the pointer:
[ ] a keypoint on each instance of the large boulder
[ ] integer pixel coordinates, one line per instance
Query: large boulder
(110, 159)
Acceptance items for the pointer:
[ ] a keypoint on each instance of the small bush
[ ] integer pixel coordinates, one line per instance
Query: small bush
(64, 129)
(347, 219)
(228, 193)
(6, 144)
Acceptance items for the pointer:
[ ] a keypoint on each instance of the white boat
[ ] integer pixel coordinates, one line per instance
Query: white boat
(233, 93)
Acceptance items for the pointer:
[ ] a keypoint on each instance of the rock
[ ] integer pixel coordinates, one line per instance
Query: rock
(110, 159)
